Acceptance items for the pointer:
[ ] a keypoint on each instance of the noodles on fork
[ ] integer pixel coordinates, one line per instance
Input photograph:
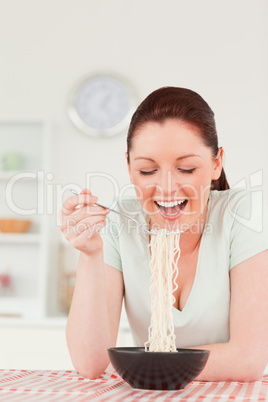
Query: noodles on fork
(164, 272)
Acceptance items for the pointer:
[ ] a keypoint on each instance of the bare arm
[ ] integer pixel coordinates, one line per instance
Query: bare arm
(93, 321)
(94, 317)
(245, 356)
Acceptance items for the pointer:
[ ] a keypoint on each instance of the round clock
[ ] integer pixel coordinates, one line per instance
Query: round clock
(102, 105)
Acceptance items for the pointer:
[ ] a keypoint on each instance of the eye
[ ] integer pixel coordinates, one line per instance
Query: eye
(187, 171)
(145, 173)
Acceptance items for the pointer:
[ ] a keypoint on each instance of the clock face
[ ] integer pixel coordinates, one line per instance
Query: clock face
(102, 106)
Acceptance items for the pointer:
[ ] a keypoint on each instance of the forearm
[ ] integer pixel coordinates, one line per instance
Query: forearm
(88, 329)
(226, 363)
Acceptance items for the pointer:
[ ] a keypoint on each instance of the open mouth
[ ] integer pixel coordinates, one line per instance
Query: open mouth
(171, 208)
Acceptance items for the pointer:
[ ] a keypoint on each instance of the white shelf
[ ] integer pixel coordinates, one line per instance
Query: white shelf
(19, 306)
(32, 238)
(16, 300)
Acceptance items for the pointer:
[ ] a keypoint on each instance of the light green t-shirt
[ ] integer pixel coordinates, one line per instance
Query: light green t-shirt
(234, 232)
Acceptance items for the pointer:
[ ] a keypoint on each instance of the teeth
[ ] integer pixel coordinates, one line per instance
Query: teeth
(169, 204)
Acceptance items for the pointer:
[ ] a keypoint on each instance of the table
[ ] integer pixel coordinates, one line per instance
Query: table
(50, 386)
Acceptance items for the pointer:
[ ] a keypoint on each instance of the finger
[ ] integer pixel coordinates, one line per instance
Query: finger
(76, 228)
(92, 230)
(82, 199)
(83, 213)
(90, 210)
(81, 242)
(71, 221)
(87, 233)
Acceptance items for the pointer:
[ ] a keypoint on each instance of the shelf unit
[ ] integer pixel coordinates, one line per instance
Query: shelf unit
(26, 257)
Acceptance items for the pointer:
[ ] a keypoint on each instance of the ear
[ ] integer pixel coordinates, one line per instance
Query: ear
(128, 166)
(218, 162)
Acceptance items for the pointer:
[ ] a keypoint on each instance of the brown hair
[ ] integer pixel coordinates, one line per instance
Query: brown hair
(185, 105)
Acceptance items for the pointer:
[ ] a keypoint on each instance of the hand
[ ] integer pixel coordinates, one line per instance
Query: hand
(81, 226)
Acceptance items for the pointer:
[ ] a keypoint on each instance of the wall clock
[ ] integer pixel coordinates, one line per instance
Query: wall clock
(102, 105)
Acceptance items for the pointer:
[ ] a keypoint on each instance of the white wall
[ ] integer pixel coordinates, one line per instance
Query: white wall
(217, 48)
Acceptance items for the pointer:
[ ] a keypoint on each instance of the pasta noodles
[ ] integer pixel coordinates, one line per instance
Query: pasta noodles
(164, 272)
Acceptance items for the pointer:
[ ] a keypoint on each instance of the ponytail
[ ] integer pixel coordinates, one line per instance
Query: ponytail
(221, 184)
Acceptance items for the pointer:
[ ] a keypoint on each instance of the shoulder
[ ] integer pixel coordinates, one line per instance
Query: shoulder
(239, 207)
(238, 217)
(233, 201)
(233, 195)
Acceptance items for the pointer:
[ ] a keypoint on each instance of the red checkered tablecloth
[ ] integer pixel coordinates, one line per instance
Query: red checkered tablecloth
(27, 385)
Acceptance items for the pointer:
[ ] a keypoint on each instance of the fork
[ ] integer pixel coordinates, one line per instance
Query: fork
(129, 217)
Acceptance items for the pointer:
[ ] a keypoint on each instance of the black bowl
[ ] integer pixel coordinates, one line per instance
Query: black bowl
(158, 370)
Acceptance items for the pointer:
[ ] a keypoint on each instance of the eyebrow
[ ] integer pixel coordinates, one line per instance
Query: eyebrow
(179, 158)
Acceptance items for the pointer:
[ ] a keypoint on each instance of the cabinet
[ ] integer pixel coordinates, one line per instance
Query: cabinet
(27, 258)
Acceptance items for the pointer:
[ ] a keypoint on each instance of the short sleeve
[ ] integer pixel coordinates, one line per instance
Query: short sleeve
(111, 250)
(249, 231)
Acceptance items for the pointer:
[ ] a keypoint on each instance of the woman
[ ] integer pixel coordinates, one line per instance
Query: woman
(221, 303)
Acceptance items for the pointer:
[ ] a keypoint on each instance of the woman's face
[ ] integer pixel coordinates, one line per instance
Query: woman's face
(170, 164)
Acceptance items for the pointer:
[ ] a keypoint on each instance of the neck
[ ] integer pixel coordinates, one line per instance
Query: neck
(189, 243)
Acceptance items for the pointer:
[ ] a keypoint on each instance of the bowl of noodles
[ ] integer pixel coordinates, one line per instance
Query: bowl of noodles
(160, 365)
(158, 370)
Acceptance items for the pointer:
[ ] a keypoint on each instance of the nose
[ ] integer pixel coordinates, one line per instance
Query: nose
(167, 185)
